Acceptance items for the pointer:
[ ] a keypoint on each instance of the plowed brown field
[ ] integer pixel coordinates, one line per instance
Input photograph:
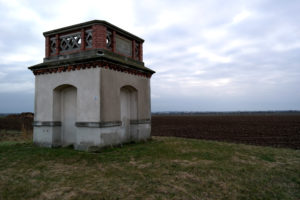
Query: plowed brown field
(266, 130)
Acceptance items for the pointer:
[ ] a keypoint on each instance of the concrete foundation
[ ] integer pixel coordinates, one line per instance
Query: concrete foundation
(91, 137)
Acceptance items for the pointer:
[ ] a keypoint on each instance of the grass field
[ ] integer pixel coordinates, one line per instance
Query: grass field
(163, 168)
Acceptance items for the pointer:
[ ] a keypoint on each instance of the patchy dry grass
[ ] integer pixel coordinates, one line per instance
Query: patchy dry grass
(164, 168)
(15, 135)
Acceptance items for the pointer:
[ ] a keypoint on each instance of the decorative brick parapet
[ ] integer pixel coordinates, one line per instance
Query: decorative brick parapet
(91, 35)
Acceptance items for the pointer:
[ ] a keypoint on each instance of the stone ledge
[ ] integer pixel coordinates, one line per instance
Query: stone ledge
(98, 124)
(46, 123)
(90, 124)
(141, 121)
(93, 62)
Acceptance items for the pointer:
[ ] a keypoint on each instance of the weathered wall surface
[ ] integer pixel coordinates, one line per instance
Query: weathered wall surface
(87, 83)
(96, 112)
(111, 83)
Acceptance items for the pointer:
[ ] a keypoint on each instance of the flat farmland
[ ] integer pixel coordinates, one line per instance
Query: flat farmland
(266, 130)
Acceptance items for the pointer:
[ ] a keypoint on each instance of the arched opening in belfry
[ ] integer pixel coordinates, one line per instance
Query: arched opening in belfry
(129, 110)
(64, 111)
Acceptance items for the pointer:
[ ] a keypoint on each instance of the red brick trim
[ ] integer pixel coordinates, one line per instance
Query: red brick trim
(133, 49)
(99, 36)
(57, 45)
(141, 52)
(82, 46)
(94, 64)
(114, 41)
(47, 50)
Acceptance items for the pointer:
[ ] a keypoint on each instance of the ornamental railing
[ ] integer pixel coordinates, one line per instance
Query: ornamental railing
(95, 36)
(89, 38)
(71, 42)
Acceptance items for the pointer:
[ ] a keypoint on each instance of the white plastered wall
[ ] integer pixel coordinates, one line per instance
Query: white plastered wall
(97, 89)
(111, 83)
(87, 83)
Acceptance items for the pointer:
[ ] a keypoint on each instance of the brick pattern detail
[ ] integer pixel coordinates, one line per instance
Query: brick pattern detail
(141, 52)
(47, 47)
(94, 64)
(133, 49)
(57, 45)
(114, 41)
(99, 36)
(82, 47)
(99, 33)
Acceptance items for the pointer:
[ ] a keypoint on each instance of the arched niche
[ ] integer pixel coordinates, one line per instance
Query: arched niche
(128, 104)
(65, 111)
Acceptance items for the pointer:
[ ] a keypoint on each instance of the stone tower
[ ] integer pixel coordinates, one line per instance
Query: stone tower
(92, 89)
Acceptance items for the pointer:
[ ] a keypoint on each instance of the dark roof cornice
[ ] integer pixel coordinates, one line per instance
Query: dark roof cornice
(89, 24)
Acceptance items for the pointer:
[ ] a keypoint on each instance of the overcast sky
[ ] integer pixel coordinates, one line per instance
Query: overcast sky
(208, 55)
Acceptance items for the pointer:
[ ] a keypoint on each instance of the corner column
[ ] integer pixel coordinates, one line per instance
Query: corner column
(141, 52)
(57, 44)
(47, 45)
(114, 41)
(99, 36)
(83, 44)
(133, 49)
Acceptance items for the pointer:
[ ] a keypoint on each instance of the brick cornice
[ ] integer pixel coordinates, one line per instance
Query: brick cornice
(92, 64)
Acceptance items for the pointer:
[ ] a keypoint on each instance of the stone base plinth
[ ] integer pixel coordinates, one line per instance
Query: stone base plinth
(89, 138)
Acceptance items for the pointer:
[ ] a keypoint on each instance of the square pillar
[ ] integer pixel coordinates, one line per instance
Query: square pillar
(141, 52)
(133, 49)
(82, 47)
(57, 44)
(114, 41)
(47, 47)
(99, 36)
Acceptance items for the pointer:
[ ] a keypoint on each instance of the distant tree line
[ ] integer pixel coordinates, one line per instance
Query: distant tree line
(21, 121)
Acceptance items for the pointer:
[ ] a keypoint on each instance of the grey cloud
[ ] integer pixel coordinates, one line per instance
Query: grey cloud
(204, 62)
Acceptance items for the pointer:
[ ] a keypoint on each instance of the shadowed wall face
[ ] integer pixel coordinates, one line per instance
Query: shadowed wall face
(68, 103)
(65, 111)
(128, 101)
(112, 83)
